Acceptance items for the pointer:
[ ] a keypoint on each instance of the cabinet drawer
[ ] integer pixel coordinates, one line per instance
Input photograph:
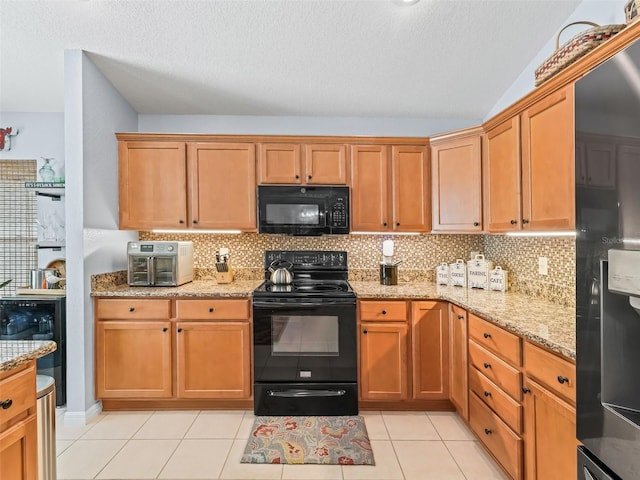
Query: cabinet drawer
(505, 445)
(19, 391)
(496, 370)
(383, 310)
(213, 309)
(552, 371)
(502, 404)
(492, 337)
(132, 309)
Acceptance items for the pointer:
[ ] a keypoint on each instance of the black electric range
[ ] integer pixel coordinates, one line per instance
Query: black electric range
(305, 337)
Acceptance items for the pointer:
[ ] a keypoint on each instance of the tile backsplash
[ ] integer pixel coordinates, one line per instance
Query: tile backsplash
(420, 255)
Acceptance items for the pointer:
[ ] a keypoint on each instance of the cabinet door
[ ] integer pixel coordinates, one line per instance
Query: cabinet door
(133, 359)
(430, 350)
(550, 426)
(459, 365)
(213, 360)
(456, 182)
(223, 185)
(326, 164)
(548, 168)
(279, 163)
(152, 180)
(502, 177)
(383, 361)
(19, 451)
(410, 192)
(370, 190)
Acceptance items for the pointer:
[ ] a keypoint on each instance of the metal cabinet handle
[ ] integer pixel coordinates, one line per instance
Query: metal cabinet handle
(131, 309)
(165, 329)
(384, 224)
(487, 431)
(6, 404)
(397, 224)
(384, 312)
(180, 221)
(513, 222)
(487, 365)
(475, 224)
(364, 332)
(211, 309)
(297, 177)
(179, 330)
(526, 390)
(562, 379)
(460, 317)
(309, 177)
(525, 221)
(486, 335)
(487, 394)
(195, 222)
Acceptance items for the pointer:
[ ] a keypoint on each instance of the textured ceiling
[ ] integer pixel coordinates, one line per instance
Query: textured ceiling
(437, 58)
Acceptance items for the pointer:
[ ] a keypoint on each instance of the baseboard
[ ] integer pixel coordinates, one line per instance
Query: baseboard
(82, 418)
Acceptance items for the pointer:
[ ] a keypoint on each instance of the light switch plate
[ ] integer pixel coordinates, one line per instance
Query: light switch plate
(543, 266)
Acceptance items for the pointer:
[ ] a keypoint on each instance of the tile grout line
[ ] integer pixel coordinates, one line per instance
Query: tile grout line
(178, 444)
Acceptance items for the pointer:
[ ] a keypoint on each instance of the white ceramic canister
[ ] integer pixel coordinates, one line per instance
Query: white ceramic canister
(498, 279)
(458, 273)
(478, 272)
(442, 274)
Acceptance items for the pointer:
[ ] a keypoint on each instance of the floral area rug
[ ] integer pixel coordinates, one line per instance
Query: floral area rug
(319, 440)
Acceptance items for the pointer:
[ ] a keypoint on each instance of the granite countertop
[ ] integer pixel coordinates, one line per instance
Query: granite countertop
(14, 353)
(197, 288)
(541, 321)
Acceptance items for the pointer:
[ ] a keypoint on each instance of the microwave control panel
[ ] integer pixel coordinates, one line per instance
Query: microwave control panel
(339, 212)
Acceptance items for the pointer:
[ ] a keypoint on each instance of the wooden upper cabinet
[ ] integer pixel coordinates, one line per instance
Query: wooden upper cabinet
(223, 185)
(548, 169)
(456, 183)
(370, 188)
(279, 163)
(409, 197)
(312, 164)
(326, 164)
(152, 180)
(502, 198)
(430, 350)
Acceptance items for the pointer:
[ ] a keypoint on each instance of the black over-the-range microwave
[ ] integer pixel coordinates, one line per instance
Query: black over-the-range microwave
(303, 210)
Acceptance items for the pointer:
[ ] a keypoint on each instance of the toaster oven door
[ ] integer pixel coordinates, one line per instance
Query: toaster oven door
(140, 270)
(165, 271)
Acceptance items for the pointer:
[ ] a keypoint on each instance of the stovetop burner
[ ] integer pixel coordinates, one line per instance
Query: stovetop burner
(306, 288)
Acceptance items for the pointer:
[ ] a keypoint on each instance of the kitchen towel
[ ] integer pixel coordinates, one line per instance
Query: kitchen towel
(329, 440)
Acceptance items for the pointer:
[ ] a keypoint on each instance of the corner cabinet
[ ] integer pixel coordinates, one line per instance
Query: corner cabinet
(167, 184)
(456, 181)
(529, 168)
(390, 188)
(18, 427)
(172, 350)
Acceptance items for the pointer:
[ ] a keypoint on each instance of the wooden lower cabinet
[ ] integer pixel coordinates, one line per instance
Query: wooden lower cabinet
(383, 361)
(213, 360)
(550, 426)
(458, 363)
(202, 351)
(18, 424)
(430, 350)
(133, 359)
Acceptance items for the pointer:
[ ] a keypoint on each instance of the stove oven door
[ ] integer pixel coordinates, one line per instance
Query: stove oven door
(305, 341)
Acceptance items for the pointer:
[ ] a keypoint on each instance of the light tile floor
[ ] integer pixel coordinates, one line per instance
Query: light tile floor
(208, 445)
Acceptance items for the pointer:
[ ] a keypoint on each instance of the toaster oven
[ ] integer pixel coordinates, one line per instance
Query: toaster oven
(159, 263)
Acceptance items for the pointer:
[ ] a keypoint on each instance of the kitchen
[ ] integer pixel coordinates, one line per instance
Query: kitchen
(421, 250)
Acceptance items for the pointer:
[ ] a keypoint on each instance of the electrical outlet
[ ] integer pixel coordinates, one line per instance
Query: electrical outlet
(543, 266)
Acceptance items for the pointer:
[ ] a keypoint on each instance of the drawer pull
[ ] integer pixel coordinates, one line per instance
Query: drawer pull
(476, 224)
(562, 379)
(525, 221)
(364, 332)
(165, 329)
(384, 312)
(131, 309)
(486, 335)
(211, 309)
(179, 330)
(526, 390)
(6, 404)
(487, 394)
(487, 365)
(513, 222)
(487, 431)
(460, 317)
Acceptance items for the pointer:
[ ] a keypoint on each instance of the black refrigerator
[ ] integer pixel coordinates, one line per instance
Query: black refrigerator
(608, 268)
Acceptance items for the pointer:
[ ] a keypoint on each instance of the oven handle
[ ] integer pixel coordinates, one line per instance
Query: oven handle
(278, 303)
(298, 393)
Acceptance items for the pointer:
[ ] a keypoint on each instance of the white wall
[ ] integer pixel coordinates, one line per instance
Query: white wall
(39, 135)
(274, 125)
(94, 111)
(602, 12)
